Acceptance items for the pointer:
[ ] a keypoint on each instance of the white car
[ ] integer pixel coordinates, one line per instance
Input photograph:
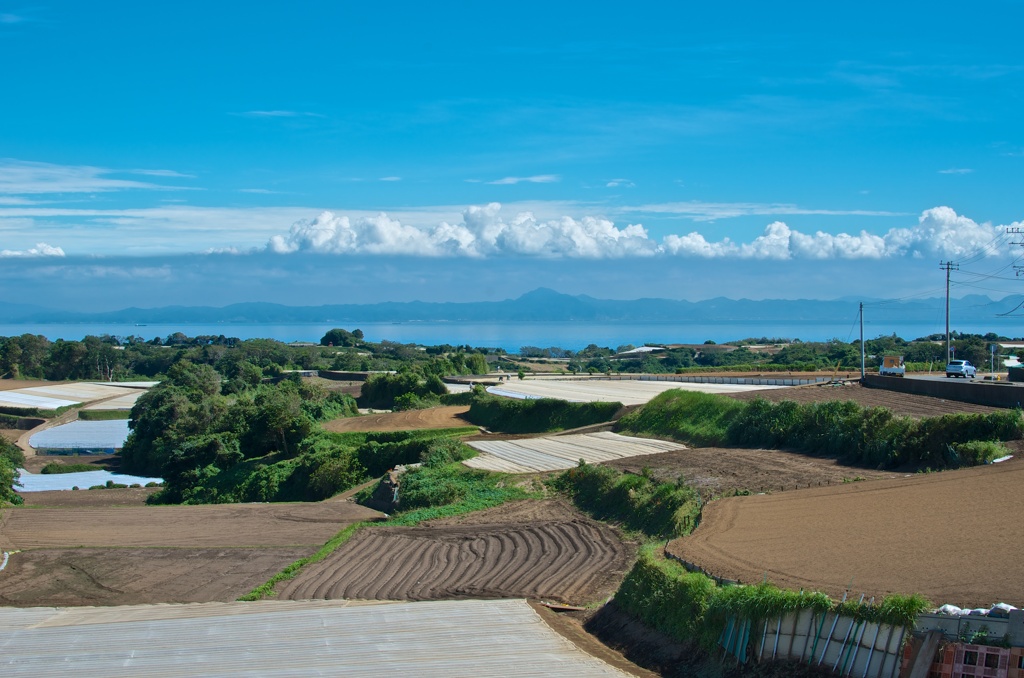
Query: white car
(961, 368)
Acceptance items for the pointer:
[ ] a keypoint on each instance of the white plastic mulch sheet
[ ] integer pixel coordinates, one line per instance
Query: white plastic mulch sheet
(19, 398)
(83, 435)
(43, 482)
(310, 638)
(554, 453)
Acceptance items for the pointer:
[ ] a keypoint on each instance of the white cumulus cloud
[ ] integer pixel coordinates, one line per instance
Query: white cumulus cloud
(483, 231)
(536, 179)
(40, 250)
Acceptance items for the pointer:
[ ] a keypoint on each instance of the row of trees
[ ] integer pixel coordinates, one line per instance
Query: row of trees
(109, 358)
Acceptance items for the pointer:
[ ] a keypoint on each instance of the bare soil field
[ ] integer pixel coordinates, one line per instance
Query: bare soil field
(716, 471)
(528, 549)
(901, 403)
(128, 496)
(218, 525)
(953, 537)
(73, 577)
(435, 417)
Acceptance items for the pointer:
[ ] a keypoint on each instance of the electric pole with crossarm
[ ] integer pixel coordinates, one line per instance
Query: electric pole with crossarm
(948, 266)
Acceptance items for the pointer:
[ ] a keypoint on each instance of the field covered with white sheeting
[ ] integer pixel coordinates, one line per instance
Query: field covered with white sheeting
(277, 638)
(82, 435)
(554, 453)
(627, 392)
(53, 396)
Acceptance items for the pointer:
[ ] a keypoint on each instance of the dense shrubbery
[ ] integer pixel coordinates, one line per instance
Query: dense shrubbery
(56, 467)
(536, 416)
(636, 501)
(11, 459)
(691, 607)
(870, 436)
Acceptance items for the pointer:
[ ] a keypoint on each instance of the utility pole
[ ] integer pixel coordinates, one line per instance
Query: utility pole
(862, 341)
(948, 266)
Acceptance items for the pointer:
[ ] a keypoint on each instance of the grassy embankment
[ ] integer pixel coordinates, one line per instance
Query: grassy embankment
(871, 436)
(508, 415)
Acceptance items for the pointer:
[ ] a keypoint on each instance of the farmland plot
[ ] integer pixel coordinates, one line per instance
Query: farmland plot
(554, 453)
(532, 549)
(949, 536)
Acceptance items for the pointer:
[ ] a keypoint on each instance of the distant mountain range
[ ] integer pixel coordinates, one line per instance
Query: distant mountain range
(543, 305)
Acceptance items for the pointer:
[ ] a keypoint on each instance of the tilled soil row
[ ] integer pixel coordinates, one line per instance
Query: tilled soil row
(574, 561)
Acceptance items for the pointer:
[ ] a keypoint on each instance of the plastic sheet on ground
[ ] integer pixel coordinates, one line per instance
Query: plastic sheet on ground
(43, 482)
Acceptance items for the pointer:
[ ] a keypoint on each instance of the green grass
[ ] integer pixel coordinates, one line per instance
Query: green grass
(55, 467)
(697, 418)
(689, 606)
(871, 436)
(637, 502)
(537, 416)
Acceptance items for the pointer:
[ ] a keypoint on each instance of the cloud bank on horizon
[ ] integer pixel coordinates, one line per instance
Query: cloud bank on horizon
(485, 232)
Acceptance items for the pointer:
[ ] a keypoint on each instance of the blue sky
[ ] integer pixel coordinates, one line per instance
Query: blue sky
(208, 153)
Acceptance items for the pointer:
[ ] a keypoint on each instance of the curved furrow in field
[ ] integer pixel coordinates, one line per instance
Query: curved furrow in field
(572, 561)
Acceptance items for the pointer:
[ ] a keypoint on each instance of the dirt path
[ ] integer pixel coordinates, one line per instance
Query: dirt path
(952, 537)
(435, 417)
(529, 549)
(900, 403)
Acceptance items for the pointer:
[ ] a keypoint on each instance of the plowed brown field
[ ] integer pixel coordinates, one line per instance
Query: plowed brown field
(219, 525)
(953, 537)
(435, 417)
(71, 577)
(530, 549)
(901, 403)
(165, 554)
(717, 471)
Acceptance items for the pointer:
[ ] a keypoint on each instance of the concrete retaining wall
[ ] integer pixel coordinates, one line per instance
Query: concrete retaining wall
(963, 390)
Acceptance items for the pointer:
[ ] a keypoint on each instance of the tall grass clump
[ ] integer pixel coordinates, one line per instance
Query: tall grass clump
(537, 416)
(697, 418)
(663, 510)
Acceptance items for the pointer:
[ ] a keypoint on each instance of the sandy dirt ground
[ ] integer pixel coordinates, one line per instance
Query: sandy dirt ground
(528, 549)
(73, 577)
(716, 471)
(435, 417)
(953, 537)
(217, 525)
(900, 403)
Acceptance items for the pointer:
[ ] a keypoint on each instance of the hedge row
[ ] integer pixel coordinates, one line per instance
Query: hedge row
(537, 416)
(636, 501)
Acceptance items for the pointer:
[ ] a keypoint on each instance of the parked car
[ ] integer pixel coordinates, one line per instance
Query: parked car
(961, 368)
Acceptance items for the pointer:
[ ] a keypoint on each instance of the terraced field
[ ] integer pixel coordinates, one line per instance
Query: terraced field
(555, 553)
